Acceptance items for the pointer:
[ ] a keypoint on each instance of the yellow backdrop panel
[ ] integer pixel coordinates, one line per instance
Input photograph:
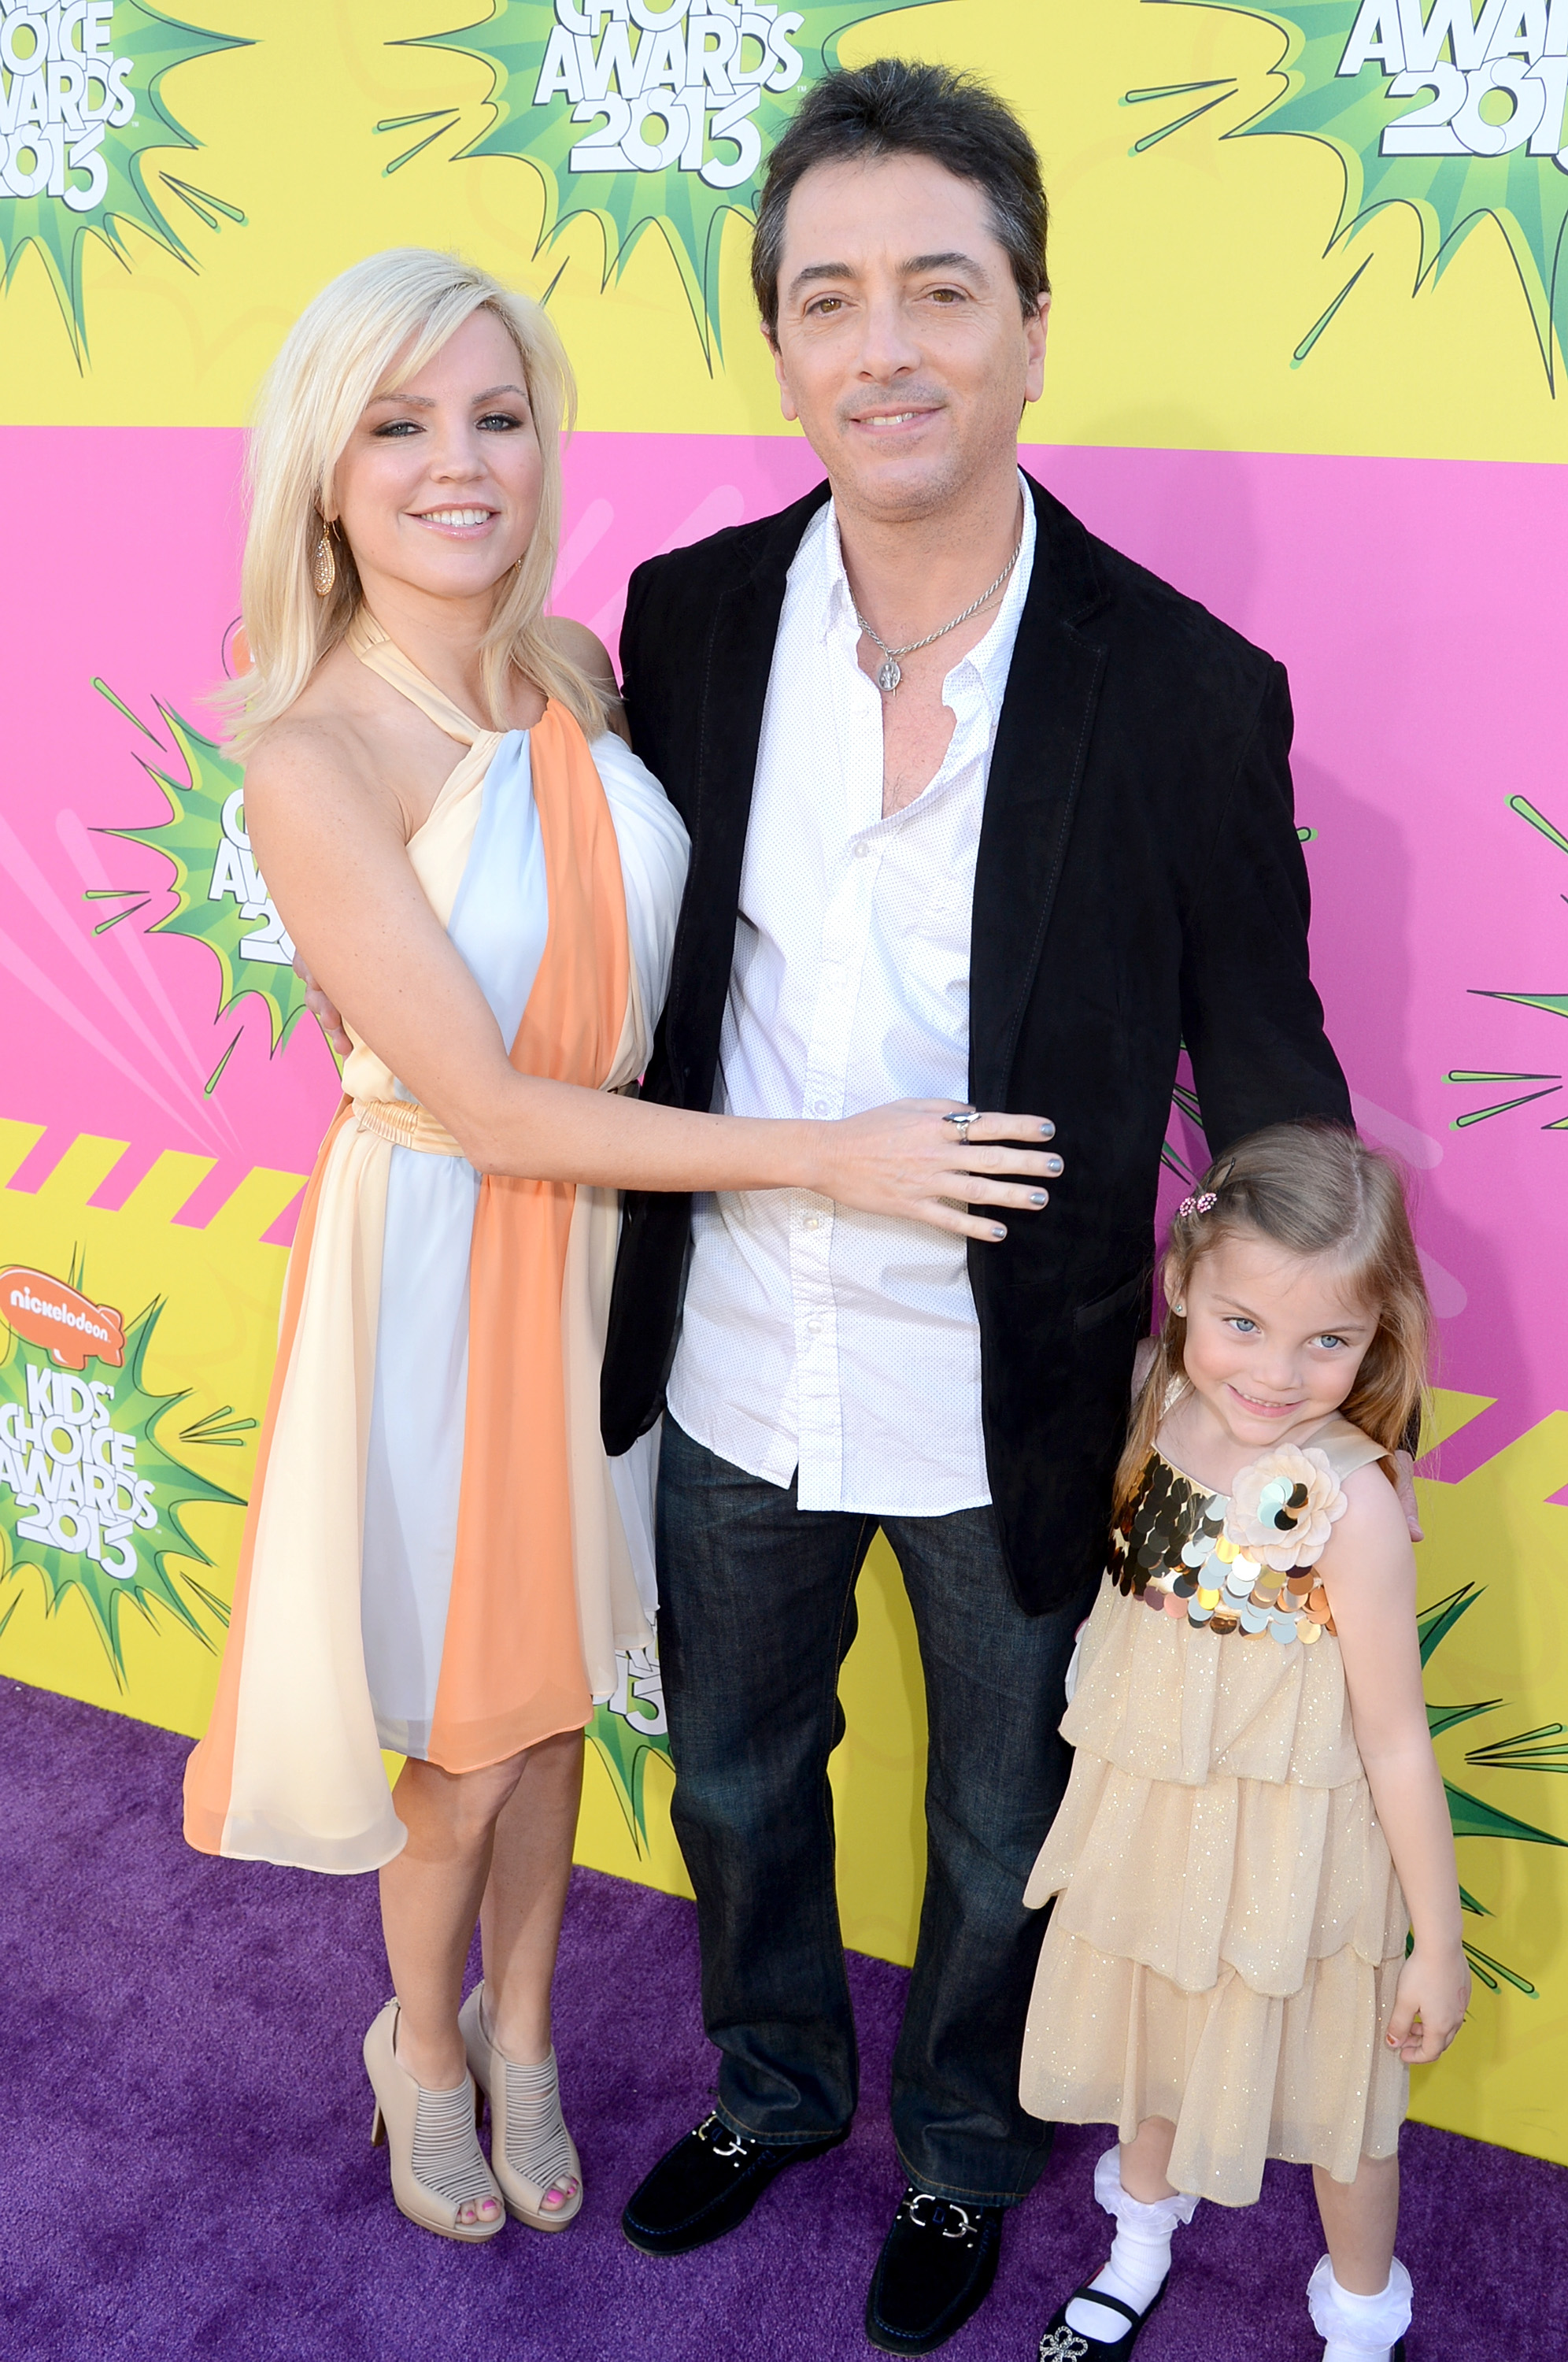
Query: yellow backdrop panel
(1201, 258)
(213, 1294)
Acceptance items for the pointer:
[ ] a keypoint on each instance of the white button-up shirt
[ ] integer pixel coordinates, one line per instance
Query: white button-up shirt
(842, 1344)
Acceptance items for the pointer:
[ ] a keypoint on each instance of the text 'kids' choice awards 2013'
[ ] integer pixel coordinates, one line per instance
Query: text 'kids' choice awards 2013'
(783, 916)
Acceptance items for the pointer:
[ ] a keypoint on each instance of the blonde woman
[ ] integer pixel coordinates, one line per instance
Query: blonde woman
(438, 1560)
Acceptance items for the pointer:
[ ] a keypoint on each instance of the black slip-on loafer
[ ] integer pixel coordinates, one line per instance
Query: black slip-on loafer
(935, 2268)
(706, 2184)
(1062, 2343)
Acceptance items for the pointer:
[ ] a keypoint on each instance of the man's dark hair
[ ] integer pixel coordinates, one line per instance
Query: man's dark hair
(889, 108)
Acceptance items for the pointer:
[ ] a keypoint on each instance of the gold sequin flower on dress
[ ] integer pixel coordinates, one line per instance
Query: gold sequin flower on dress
(1215, 1560)
(1282, 1507)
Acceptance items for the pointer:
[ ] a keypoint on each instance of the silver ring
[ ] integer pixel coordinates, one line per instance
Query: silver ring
(961, 1123)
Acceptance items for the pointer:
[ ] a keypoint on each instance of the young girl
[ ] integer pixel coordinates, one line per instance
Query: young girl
(1255, 1818)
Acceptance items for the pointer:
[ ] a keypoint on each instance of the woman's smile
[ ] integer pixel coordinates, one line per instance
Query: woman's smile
(462, 524)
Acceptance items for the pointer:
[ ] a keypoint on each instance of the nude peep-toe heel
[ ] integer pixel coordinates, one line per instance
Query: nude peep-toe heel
(432, 2138)
(531, 2151)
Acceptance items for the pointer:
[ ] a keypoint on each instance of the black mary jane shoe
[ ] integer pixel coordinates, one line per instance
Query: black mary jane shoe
(935, 2268)
(706, 2184)
(1062, 2343)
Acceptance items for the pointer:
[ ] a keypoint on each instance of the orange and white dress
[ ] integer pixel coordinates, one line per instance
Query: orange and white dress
(439, 1559)
(1228, 1929)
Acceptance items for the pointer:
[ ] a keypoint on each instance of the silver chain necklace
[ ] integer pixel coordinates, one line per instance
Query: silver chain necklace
(890, 672)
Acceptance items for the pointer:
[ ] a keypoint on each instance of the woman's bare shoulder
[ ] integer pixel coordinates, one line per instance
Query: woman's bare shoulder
(301, 753)
(323, 753)
(588, 654)
(340, 716)
(585, 649)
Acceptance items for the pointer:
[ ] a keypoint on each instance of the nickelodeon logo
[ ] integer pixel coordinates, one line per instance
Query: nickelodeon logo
(72, 1330)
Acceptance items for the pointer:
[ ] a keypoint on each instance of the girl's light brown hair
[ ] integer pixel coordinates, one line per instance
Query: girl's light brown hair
(374, 327)
(1315, 1189)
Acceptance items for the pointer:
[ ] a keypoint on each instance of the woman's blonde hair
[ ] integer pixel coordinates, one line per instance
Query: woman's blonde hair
(1315, 1189)
(336, 356)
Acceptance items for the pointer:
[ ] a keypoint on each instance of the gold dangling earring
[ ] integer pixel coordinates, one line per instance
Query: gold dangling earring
(324, 566)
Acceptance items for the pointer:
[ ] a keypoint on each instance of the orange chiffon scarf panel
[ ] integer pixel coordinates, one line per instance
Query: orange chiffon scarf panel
(512, 1667)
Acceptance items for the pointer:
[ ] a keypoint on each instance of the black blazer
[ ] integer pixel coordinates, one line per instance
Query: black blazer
(1139, 883)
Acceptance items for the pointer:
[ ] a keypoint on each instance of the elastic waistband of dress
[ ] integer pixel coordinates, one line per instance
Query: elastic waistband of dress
(406, 1125)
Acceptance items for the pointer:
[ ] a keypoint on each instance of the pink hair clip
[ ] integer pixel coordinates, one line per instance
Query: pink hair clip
(1200, 1205)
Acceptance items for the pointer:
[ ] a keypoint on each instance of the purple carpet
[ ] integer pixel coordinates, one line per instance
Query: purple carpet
(185, 2168)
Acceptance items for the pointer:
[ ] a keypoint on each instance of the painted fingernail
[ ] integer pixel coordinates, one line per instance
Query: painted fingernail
(1047, 1130)
(1037, 1197)
(1052, 1165)
(999, 1231)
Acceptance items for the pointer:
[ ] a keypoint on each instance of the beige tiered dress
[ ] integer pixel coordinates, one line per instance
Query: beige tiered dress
(1228, 1930)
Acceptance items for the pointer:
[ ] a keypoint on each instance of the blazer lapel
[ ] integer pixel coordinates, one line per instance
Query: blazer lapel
(735, 667)
(1037, 765)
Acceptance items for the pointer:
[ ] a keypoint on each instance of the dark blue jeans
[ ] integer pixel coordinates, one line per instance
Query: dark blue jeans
(757, 1614)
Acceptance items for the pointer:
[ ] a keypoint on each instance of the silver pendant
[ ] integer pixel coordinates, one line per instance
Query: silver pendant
(887, 675)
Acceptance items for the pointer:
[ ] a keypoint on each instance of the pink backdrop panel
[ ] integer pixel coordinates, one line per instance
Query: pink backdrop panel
(116, 1032)
(1413, 600)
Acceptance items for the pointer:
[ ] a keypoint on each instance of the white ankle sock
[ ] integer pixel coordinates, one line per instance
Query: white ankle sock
(1359, 2328)
(1140, 2253)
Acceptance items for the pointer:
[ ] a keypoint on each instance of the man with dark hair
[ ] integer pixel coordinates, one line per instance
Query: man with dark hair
(981, 812)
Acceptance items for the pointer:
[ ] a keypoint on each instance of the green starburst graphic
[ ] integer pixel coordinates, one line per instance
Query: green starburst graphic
(221, 898)
(100, 1513)
(1538, 1083)
(1452, 107)
(582, 107)
(75, 129)
(626, 1730)
(1529, 1750)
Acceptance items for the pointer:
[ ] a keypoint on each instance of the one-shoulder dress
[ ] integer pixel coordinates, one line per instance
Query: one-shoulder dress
(438, 1558)
(1228, 1929)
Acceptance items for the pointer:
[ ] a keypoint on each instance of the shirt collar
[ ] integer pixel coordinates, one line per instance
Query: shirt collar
(819, 560)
